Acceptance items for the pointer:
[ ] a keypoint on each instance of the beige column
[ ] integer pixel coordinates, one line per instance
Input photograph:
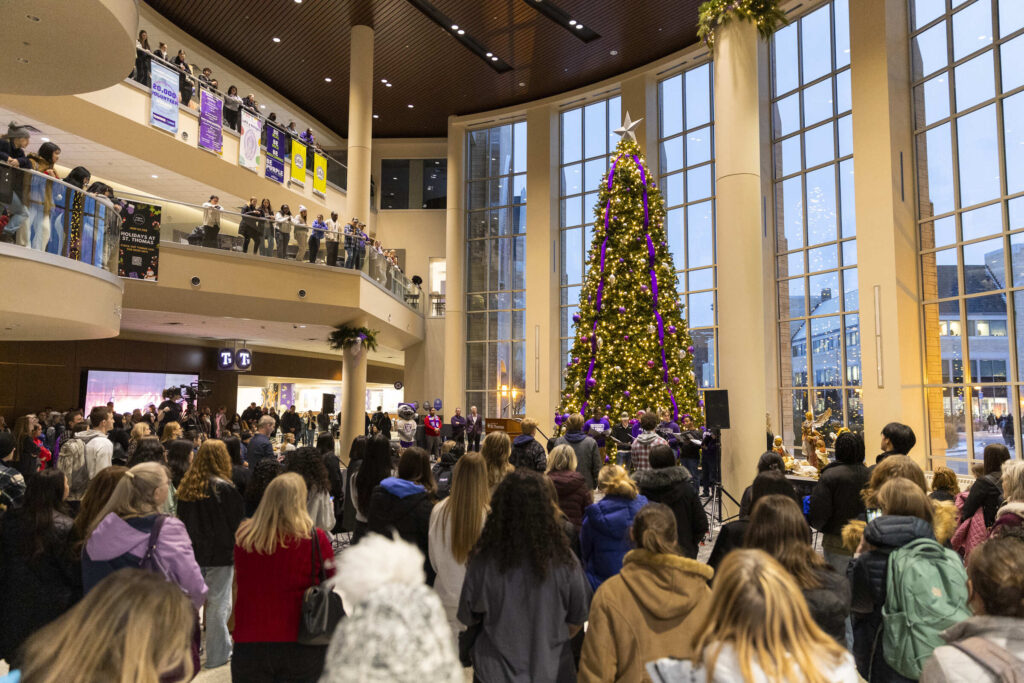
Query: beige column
(455, 264)
(543, 363)
(360, 122)
(887, 263)
(741, 245)
(353, 395)
(640, 98)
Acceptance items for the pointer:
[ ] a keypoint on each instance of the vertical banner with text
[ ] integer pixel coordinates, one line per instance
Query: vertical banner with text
(138, 255)
(163, 101)
(277, 140)
(249, 142)
(298, 163)
(320, 175)
(211, 121)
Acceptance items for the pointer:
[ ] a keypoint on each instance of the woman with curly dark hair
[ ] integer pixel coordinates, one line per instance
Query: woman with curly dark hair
(375, 468)
(263, 472)
(525, 594)
(309, 464)
(148, 449)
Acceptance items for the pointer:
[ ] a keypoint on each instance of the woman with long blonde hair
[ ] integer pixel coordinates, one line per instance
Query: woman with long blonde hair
(455, 526)
(757, 629)
(496, 449)
(172, 431)
(133, 627)
(273, 568)
(212, 508)
(604, 537)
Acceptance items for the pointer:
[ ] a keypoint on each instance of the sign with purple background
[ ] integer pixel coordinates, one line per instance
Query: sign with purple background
(278, 145)
(211, 121)
(286, 395)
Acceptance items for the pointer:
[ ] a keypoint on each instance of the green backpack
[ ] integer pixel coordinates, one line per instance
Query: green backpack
(926, 593)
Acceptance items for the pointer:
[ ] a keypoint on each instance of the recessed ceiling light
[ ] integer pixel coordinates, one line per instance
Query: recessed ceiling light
(263, 106)
(455, 27)
(579, 26)
(522, 85)
(328, 79)
(154, 177)
(410, 106)
(494, 59)
(388, 85)
(376, 116)
(45, 139)
(302, 326)
(462, 32)
(490, 54)
(613, 53)
(383, 80)
(276, 39)
(572, 22)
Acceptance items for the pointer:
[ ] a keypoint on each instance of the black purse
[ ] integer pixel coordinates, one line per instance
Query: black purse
(321, 606)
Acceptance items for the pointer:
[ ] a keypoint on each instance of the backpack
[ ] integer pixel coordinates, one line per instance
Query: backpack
(71, 462)
(926, 593)
(1000, 663)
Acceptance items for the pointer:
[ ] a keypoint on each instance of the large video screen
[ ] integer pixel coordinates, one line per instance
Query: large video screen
(129, 390)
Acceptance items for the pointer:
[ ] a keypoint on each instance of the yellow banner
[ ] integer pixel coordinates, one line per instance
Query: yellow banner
(320, 174)
(298, 162)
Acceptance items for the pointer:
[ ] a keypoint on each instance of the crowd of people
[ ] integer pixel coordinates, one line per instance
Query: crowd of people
(522, 561)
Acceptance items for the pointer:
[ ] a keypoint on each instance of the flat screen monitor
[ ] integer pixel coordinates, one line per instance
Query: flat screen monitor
(129, 390)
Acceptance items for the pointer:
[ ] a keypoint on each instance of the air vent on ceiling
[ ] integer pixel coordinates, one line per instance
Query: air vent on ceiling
(174, 323)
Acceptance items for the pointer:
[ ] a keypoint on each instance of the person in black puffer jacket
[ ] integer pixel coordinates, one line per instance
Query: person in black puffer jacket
(404, 503)
(987, 492)
(868, 572)
(671, 484)
(526, 450)
(451, 451)
(836, 499)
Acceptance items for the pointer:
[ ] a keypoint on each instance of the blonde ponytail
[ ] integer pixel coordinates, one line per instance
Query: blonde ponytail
(614, 481)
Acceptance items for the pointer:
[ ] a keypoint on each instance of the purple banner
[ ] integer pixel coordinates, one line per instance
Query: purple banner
(211, 121)
(278, 146)
(286, 395)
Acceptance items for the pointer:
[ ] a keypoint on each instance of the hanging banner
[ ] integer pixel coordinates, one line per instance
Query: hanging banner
(138, 255)
(320, 175)
(249, 142)
(298, 163)
(163, 100)
(286, 396)
(211, 121)
(277, 141)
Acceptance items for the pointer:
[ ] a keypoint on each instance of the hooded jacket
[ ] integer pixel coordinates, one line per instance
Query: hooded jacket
(671, 486)
(604, 537)
(944, 525)
(640, 449)
(442, 472)
(588, 458)
(867, 573)
(835, 499)
(573, 495)
(951, 665)
(211, 523)
(527, 452)
(648, 611)
(403, 506)
(118, 543)
(1010, 514)
(987, 494)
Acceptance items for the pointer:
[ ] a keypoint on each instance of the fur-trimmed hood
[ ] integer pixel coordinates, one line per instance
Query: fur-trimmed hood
(667, 586)
(662, 477)
(945, 520)
(1011, 508)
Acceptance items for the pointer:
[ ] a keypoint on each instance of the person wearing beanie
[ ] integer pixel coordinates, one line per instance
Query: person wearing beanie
(13, 144)
(395, 630)
(12, 482)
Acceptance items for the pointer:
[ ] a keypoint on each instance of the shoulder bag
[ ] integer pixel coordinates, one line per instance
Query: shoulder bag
(321, 606)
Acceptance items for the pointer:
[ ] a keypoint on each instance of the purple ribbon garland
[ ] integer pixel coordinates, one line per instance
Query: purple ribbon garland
(600, 292)
(654, 292)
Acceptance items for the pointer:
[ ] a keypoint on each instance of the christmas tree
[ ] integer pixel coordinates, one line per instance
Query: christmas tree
(631, 350)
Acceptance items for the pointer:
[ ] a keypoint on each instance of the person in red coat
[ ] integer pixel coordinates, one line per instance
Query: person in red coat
(432, 430)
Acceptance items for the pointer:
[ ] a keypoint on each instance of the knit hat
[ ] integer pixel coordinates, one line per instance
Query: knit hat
(15, 130)
(395, 630)
(6, 444)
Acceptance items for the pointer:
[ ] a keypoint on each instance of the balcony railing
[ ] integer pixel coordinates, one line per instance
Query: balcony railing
(183, 223)
(39, 212)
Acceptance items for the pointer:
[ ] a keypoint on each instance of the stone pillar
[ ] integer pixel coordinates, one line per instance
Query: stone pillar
(743, 317)
(887, 254)
(353, 395)
(360, 122)
(543, 362)
(455, 263)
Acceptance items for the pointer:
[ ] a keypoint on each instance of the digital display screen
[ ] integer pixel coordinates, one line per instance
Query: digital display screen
(129, 390)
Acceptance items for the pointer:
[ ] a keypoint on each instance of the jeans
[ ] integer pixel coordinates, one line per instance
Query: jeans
(350, 253)
(245, 244)
(692, 464)
(218, 609)
(282, 244)
(332, 253)
(433, 445)
(277, 662)
(314, 248)
(839, 562)
(266, 240)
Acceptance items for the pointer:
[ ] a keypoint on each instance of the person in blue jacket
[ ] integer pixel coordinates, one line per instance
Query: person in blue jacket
(604, 538)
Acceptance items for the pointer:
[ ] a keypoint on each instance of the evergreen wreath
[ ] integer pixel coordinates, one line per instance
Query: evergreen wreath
(764, 14)
(344, 337)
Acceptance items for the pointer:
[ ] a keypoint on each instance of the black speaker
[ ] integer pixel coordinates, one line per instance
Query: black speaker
(716, 408)
(328, 405)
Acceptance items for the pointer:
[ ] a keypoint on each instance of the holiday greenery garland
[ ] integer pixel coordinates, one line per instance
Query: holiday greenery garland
(344, 337)
(764, 14)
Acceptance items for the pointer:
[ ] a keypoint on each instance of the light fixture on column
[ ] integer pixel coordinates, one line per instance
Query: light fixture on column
(459, 33)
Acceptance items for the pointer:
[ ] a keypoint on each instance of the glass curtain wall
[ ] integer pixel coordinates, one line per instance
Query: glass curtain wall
(587, 140)
(968, 106)
(686, 177)
(815, 224)
(495, 270)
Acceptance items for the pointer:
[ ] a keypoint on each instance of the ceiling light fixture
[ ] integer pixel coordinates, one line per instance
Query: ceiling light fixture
(494, 59)
(383, 80)
(387, 85)
(410, 106)
(455, 27)
(613, 53)
(489, 54)
(558, 15)
(154, 177)
(459, 33)
(45, 139)
(328, 79)
(276, 39)
(376, 116)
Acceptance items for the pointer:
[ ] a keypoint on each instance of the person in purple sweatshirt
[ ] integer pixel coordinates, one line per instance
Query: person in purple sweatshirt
(635, 429)
(598, 427)
(132, 533)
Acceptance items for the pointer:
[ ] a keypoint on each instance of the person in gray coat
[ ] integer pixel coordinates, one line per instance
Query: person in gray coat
(996, 631)
(588, 457)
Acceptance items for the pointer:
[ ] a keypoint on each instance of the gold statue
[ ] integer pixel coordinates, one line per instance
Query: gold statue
(809, 430)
